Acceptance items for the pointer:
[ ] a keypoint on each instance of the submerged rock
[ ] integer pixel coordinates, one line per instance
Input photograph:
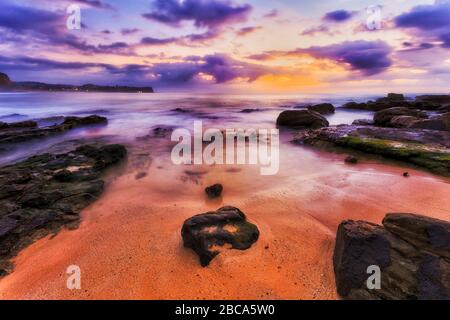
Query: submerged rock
(214, 191)
(44, 193)
(206, 233)
(412, 252)
(299, 119)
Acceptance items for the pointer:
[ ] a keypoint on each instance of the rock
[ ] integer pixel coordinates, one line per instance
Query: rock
(440, 122)
(351, 160)
(214, 191)
(438, 99)
(301, 119)
(140, 175)
(363, 122)
(323, 108)
(4, 79)
(384, 117)
(395, 97)
(250, 110)
(18, 125)
(180, 110)
(356, 106)
(402, 121)
(206, 233)
(28, 130)
(44, 193)
(443, 109)
(424, 148)
(84, 121)
(406, 174)
(359, 244)
(412, 252)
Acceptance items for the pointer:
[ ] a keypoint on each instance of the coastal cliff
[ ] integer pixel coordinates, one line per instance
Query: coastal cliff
(7, 85)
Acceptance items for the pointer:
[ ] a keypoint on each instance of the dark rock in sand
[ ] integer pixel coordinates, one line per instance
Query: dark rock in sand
(44, 193)
(412, 251)
(28, 130)
(298, 119)
(214, 191)
(204, 233)
(384, 117)
(406, 174)
(351, 160)
(323, 108)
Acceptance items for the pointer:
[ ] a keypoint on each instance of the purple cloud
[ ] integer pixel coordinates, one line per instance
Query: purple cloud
(204, 13)
(338, 16)
(428, 22)
(126, 31)
(272, 14)
(221, 67)
(21, 19)
(247, 30)
(368, 57)
(322, 29)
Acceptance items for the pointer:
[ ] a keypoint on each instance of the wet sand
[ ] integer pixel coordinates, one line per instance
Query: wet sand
(129, 245)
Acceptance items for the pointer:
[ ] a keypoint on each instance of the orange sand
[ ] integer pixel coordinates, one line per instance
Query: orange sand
(129, 245)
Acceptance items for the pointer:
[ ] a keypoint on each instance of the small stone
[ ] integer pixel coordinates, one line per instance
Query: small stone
(140, 175)
(406, 174)
(214, 191)
(351, 160)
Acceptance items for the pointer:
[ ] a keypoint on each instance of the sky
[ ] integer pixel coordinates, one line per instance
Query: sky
(244, 46)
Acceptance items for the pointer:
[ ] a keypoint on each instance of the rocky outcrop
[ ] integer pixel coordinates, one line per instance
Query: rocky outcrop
(424, 148)
(438, 99)
(4, 80)
(323, 108)
(384, 117)
(440, 122)
(208, 232)
(393, 100)
(214, 191)
(44, 193)
(28, 130)
(363, 122)
(411, 251)
(301, 119)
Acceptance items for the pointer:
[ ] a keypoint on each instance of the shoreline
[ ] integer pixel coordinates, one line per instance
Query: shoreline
(133, 249)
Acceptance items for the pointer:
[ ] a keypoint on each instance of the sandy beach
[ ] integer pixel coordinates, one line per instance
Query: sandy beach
(129, 244)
